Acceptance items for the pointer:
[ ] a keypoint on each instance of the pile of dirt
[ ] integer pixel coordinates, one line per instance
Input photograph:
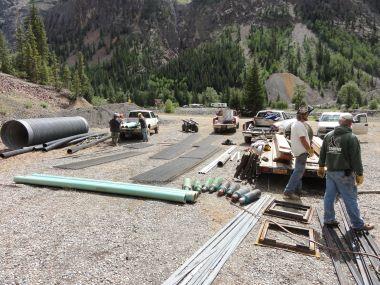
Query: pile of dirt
(282, 86)
(21, 99)
(99, 116)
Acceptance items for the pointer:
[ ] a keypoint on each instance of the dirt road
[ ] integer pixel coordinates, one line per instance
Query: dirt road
(51, 236)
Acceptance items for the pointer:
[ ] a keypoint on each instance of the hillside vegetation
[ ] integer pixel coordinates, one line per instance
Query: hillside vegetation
(154, 55)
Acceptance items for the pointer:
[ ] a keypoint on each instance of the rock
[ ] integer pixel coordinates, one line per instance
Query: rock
(282, 85)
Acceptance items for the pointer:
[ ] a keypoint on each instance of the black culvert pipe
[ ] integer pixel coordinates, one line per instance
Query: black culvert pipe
(86, 145)
(21, 133)
(18, 151)
(62, 142)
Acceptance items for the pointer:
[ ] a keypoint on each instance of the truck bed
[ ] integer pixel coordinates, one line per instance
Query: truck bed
(271, 166)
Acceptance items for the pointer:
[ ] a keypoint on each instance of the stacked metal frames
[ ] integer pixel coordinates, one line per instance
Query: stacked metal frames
(273, 210)
(205, 264)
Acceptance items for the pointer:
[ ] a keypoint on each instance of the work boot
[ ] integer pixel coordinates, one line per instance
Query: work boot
(366, 227)
(291, 196)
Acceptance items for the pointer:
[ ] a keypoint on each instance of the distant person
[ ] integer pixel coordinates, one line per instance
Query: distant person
(115, 123)
(341, 154)
(301, 149)
(144, 129)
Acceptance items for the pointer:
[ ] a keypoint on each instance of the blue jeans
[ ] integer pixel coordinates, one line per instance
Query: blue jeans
(337, 182)
(295, 181)
(144, 134)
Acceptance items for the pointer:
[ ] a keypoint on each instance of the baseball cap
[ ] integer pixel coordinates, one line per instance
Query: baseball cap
(346, 116)
(302, 110)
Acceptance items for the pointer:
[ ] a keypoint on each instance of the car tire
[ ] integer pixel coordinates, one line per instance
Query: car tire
(156, 130)
(248, 140)
(237, 126)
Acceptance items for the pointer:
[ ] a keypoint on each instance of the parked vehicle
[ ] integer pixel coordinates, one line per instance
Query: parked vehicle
(329, 120)
(131, 126)
(266, 122)
(218, 105)
(226, 120)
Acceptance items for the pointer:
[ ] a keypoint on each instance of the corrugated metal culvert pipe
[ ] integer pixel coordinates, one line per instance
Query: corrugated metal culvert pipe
(20, 133)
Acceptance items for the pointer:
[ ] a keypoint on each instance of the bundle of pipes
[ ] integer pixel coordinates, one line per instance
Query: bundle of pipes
(214, 163)
(205, 264)
(21, 133)
(47, 146)
(22, 136)
(246, 170)
(100, 138)
(128, 189)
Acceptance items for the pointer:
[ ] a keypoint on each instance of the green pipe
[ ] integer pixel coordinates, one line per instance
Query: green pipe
(113, 188)
(186, 184)
(191, 196)
(233, 189)
(197, 186)
(215, 186)
(207, 184)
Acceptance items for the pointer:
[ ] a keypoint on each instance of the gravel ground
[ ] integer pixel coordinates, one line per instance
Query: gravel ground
(54, 236)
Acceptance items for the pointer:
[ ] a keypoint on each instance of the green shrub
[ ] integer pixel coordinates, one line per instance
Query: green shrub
(280, 105)
(3, 111)
(98, 101)
(44, 105)
(169, 108)
(373, 105)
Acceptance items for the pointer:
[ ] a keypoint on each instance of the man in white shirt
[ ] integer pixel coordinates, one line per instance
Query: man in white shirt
(301, 149)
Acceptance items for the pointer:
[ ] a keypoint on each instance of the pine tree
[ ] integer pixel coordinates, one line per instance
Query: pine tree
(76, 84)
(5, 61)
(254, 94)
(20, 49)
(39, 32)
(32, 58)
(66, 77)
(85, 90)
(55, 72)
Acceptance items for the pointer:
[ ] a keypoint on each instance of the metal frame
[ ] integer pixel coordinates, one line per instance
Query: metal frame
(299, 248)
(306, 218)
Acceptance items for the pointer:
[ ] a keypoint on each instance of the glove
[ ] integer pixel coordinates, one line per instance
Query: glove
(321, 171)
(359, 179)
(310, 151)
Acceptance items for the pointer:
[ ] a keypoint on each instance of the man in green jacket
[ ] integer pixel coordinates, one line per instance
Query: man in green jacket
(340, 153)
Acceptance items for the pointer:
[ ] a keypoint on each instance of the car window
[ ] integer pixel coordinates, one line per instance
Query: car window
(152, 115)
(361, 118)
(329, 118)
(135, 114)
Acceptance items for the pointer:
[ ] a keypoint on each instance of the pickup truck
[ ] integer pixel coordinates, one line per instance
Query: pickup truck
(130, 126)
(329, 120)
(266, 123)
(225, 120)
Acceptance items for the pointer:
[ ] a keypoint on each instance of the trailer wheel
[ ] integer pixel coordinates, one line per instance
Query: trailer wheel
(248, 140)
(196, 128)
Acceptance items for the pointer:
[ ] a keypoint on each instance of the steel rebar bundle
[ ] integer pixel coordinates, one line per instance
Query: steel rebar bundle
(205, 264)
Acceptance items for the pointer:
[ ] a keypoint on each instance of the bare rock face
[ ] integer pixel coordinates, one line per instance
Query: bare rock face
(12, 13)
(282, 86)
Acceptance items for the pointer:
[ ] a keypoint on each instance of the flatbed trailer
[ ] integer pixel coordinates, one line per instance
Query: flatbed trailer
(267, 165)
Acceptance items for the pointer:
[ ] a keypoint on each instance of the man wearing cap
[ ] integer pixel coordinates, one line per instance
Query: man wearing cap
(144, 129)
(115, 128)
(301, 149)
(340, 153)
